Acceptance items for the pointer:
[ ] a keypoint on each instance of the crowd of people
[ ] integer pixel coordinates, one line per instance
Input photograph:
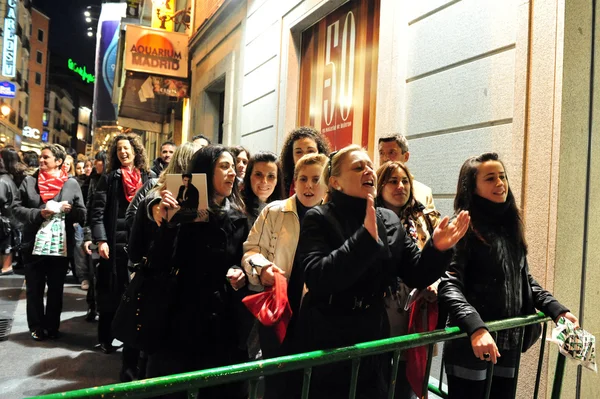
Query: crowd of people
(362, 249)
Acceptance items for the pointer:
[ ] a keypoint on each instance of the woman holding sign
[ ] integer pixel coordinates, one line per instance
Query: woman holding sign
(202, 328)
(29, 207)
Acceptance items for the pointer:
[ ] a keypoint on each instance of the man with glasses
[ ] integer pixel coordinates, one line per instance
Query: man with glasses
(395, 148)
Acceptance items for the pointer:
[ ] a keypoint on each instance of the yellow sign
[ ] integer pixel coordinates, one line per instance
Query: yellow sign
(162, 15)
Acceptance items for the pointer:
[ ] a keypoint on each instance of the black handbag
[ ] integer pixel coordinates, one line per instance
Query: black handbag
(142, 319)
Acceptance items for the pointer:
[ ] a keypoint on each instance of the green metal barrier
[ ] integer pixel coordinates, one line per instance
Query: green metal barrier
(251, 371)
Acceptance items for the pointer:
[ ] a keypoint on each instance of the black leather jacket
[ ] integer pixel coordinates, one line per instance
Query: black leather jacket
(474, 290)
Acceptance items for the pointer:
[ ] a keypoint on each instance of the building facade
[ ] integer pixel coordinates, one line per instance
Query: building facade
(37, 75)
(15, 48)
(59, 116)
(457, 78)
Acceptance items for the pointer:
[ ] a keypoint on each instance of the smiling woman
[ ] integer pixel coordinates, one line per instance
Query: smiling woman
(263, 183)
(127, 170)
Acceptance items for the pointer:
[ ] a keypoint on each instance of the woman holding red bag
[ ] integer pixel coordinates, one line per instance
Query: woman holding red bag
(270, 250)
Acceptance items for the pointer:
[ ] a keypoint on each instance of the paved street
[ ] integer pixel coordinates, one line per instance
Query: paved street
(29, 368)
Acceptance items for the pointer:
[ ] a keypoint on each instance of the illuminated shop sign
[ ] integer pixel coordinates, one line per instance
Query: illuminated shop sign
(81, 71)
(30, 132)
(9, 53)
(156, 51)
(8, 90)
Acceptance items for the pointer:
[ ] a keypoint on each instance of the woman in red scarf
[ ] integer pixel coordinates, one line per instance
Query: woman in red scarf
(127, 170)
(48, 183)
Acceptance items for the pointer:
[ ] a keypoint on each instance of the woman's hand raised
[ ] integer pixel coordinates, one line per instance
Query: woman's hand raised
(371, 218)
(167, 202)
(446, 235)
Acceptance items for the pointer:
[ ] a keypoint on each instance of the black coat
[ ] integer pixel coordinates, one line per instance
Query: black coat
(8, 192)
(143, 231)
(137, 199)
(346, 272)
(204, 317)
(28, 205)
(107, 223)
(474, 290)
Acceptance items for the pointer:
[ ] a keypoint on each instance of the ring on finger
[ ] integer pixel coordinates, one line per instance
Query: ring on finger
(486, 356)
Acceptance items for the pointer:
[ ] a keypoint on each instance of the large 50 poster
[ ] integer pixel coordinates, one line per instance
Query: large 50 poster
(338, 74)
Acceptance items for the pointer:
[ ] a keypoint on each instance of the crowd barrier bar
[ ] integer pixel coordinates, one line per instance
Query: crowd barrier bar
(251, 371)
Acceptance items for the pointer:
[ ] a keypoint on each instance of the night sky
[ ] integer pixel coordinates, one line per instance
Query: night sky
(68, 29)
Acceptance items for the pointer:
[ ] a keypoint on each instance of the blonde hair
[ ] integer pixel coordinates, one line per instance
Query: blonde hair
(310, 159)
(334, 167)
(179, 164)
(71, 170)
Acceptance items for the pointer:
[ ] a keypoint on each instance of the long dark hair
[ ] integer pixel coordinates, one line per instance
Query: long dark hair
(250, 199)
(13, 165)
(287, 151)
(205, 161)
(141, 159)
(465, 193)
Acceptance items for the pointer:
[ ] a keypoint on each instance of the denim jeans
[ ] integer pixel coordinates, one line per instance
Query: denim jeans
(79, 256)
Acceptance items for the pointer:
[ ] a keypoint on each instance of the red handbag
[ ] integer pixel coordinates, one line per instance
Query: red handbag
(416, 358)
(271, 307)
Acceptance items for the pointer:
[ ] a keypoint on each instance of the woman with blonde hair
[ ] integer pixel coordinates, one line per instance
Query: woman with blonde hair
(348, 250)
(141, 224)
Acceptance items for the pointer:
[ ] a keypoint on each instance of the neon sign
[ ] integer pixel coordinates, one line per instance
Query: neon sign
(31, 132)
(81, 71)
(9, 54)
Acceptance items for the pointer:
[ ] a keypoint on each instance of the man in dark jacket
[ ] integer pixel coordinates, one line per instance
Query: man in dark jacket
(166, 153)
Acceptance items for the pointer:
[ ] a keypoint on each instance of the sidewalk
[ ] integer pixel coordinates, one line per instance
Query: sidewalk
(30, 368)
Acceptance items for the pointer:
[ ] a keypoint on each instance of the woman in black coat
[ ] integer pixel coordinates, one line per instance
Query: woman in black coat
(202, 332)
(348, 250)
(488, 279)
(29, 207)
(126, 171)
(8, 191)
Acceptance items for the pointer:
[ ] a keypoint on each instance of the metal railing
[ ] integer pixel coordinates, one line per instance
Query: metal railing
(251, 371)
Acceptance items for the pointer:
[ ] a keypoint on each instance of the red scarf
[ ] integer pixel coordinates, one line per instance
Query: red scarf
(132, 180)
(49, 185)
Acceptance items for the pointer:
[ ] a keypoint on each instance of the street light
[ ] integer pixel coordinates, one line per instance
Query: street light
(5, 109)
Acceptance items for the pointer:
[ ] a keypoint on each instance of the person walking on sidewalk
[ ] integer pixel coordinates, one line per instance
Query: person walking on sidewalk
(29, 207)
